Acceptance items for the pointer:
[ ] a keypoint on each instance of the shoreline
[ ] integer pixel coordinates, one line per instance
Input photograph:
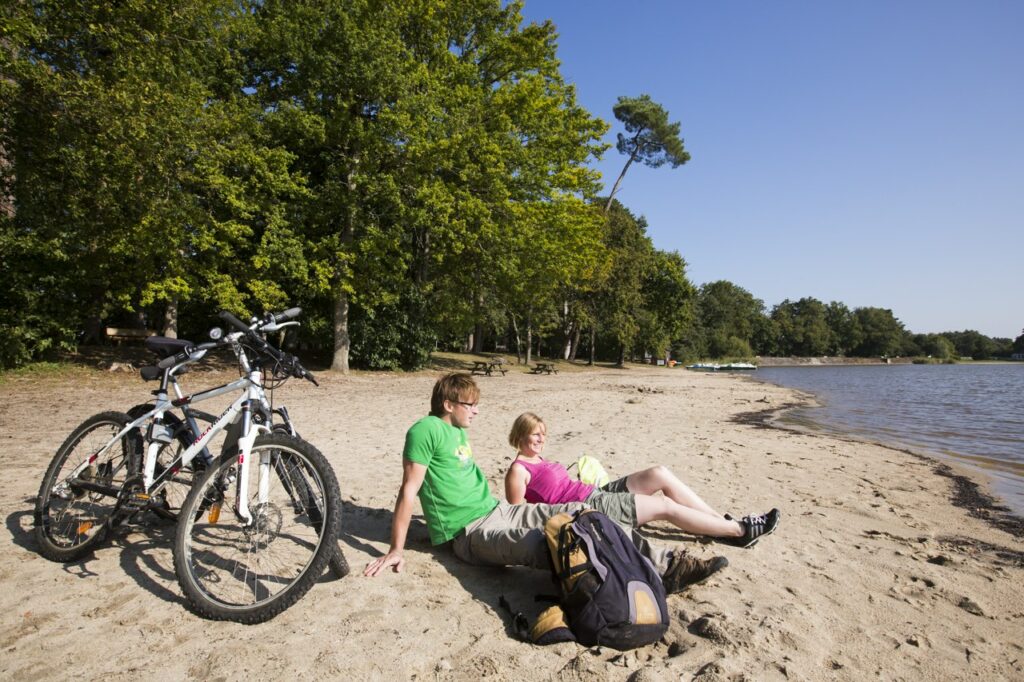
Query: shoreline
(967, 493)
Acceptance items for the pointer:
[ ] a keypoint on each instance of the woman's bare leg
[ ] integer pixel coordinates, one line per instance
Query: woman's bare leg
(650, 481)
(650, 508)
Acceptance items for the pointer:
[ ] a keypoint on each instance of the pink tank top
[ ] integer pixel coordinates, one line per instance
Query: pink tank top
(550, 483)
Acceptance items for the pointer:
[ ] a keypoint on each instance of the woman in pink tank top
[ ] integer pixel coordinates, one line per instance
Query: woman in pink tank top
(630, 500)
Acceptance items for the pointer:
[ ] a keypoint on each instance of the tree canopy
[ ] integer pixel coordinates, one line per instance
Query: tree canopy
(650, 138)
(414, 175)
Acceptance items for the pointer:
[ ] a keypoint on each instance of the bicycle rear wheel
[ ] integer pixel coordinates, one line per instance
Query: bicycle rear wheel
(73, 510)
(249, 573)
(295, 481)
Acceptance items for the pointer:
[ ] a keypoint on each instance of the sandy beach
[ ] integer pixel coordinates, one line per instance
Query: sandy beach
(873, 573)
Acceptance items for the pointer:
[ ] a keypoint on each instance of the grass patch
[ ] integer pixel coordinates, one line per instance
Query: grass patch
(447, 361)
(44, 370)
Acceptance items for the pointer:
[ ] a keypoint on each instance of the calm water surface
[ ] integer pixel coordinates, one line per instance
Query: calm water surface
(973, 414)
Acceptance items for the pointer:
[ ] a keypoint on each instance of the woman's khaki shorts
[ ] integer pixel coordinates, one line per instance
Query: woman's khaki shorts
(614, 501)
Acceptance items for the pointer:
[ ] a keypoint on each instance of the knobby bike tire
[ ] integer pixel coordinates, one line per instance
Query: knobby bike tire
(295, 481)
(337, 564)
(70, 520)
(228, 571)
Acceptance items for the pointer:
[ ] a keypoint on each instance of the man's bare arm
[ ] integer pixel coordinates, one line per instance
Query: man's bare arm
(412, 479)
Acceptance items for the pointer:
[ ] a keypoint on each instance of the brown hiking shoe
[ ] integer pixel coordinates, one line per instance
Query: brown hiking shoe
(685, 570)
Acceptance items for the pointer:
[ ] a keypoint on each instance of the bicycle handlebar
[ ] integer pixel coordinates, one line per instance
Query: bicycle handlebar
(290, 362)
(233, 321)
(289, 314)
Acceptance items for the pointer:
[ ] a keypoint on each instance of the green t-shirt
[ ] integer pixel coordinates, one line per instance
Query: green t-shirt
(454, 491)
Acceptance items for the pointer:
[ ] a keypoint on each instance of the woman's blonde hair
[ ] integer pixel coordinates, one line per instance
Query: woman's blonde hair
(522, 427)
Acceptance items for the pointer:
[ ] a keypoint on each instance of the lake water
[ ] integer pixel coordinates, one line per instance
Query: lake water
(973, 414)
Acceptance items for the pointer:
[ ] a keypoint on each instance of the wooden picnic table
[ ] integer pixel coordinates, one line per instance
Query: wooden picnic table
(489, 366)
(544, 367)
(119, 334)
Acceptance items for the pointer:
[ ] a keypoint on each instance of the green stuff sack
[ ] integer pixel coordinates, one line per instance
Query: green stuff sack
(590, 471)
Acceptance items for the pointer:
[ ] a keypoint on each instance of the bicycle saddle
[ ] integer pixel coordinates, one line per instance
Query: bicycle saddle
(165, 347)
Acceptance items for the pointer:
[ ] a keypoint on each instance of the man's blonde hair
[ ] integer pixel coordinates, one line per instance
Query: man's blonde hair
(522, 427)
(455, 387)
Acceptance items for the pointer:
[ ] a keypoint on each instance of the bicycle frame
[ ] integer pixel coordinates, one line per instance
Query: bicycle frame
(252, 395)
(253, 392)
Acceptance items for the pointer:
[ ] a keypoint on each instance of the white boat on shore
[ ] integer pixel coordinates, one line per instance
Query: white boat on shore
(727, 367)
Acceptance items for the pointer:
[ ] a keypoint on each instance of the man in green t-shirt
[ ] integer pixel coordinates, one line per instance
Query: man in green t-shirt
(438, 466)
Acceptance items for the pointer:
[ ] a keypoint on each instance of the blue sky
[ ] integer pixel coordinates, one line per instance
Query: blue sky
(864, 152)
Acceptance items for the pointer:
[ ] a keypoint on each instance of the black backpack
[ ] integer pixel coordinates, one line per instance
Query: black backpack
(610, 594)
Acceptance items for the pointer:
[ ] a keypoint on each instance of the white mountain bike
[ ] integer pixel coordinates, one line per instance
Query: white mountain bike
(258, 525)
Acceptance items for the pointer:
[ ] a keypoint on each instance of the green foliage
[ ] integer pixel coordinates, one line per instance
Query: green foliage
(722, 345)
(141, 176)
(728, 314)
(803, 327)
(650, 138)
(882, 333)
(936, 346)
(393, 336)
(669, 299)
(405, 172)
(971, 344)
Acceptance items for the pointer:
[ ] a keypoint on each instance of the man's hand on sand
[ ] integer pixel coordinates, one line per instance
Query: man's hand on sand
(377, 566)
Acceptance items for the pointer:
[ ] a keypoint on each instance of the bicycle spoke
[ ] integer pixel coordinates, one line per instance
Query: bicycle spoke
(246, 568)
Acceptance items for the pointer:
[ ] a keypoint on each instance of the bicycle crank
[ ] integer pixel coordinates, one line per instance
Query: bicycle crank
(132, 499)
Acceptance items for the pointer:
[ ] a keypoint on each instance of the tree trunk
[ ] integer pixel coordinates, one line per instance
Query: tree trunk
(529, 337)
(519, 341)
(567, 326)
(477, 346)
(93, 331)
(171, 319)
(622, 355)
(569, 349)
(575, 343)
(341, 338)
(593, 336)
(6, 181)
(342, 341)
(6, 165)
(618, 181)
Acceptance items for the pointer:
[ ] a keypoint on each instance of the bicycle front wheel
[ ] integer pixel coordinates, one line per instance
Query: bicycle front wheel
(248, 571)
(81, 486)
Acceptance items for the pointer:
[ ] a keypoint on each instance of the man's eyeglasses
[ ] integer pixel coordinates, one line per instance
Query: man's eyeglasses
(469, 405)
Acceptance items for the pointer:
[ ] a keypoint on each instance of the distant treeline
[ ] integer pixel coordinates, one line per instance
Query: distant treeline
(730, 322)
(414, 175)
